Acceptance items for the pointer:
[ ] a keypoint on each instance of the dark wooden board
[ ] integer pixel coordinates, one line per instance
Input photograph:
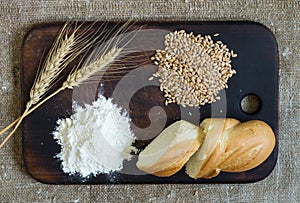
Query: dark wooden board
(257, 73)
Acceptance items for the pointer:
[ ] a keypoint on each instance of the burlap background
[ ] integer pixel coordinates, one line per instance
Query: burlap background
(282, 17)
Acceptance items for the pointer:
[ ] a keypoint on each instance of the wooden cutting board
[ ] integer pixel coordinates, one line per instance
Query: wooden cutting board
(257, 73)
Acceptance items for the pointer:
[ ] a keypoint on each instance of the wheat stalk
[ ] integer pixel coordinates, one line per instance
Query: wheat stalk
(65, 49)
(54, 64)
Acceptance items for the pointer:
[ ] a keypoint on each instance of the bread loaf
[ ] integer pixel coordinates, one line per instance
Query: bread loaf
(248, 145)
(241, 147)
(218, 144)
(171, 149)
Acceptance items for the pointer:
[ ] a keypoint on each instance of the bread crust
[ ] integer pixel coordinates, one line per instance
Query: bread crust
(172, 168)
(253, 140)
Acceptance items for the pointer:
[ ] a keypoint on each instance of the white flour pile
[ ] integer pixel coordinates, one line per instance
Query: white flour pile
(96, 139)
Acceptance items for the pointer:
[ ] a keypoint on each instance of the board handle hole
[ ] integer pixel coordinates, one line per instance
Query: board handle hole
(250, 104)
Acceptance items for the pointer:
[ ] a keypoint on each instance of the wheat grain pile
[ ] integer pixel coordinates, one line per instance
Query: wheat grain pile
(192, 69)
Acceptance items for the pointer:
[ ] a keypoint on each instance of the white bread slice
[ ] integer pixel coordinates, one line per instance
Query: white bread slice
(171, 149)
(205, 162)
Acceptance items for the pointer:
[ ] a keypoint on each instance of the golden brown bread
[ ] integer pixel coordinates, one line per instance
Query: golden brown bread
(242, 146)
(205, 162)
(249, 144)
(171, 149)
(217, 145)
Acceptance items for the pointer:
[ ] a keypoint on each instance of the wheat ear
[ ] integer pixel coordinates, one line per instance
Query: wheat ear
(84, 73)
(53, 65)
(65, 49)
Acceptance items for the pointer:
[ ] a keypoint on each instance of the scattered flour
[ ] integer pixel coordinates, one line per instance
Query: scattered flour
(286, 52)
(171, 195)
(96, 139)
(4, 86)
